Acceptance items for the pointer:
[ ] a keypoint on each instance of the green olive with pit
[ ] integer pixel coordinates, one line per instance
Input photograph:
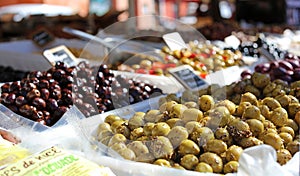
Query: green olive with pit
(249, 142)
(231, 167)
(206, 102)
(251, 112)
(136, 133)
(286, 137)
(216, 146)
(273, 140)
(271, 103)
(213, 160)
(161, 129)
(260, 80)
(188, 147)
(148, 128)
(233, 153)
(117, 138)
(189, 161)
(256, 126)
(283, 156)
(279, 116)
(203, 167)
(110, 119)
(293, 109)
(151, 114)
(177, 111)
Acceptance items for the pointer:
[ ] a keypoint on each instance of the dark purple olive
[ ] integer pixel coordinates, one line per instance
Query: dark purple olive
(45, 94)
(5, 88)
(43, 84)
(279, 71)
(285, 65)
(55, 93)
(59, 112)
(296, 75)
(13, 108)
(10, 99)
(29, 86)
(39, 103)
(60, 65)
(20, 101)
(286, 78)
(15, 86)
(33, 93)
(52, 104)
(294, 63)
(27, 110)
(35, 74)
(37, 115)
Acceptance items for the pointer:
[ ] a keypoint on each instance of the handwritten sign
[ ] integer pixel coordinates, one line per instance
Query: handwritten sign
(187, 77)
(60, 53)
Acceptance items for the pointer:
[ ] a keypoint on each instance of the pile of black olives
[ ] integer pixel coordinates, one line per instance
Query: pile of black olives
(45, 96)
(199, 131)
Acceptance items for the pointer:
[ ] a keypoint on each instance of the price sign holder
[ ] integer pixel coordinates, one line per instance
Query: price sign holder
(60, 53)
(174, 41)
(188, 78)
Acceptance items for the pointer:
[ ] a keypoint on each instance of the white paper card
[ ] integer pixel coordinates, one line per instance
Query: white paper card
(174, 41)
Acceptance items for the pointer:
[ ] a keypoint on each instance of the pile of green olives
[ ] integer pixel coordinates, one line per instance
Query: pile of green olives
(206, 134)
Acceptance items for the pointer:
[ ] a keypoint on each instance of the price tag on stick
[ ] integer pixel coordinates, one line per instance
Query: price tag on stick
(188, 78)
(60, 53)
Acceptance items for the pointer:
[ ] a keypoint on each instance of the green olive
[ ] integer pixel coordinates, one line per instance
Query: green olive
(177, 135)
(136, 133)
(279, 116)
(213, 160)
(188, 147)
(206, 102)
(293, 99)
(264, 110)
(148, 128)
(293, 146)
(120, 127)
(252, 89)
(242, 107)
(239, 129)
(177, 111)
(269, 124)
(228, 104)
(203, 167)
(256, 126)
(286, 137)
(271, 103)
(231, 167)
(138, 148)
(269, 88)
(151, 114)
(260, 80)
(118, 146)
(293, 124)
(274, 140)
(175, 122)
(233, 153)
(251, 112)
(222, 134)
(126, 153)
(293, 109)
(249, 142)
(105, 140)
(287, 130)
(297, 118)
(117, 138)
(102, 127)
(189, 161)
(283, 156)
(178, 166)
(192, 114)
(188, 95)
(162, 162)
(216, 146)
(284, 100)
(110, 119)
(160, 129)
(167, 106)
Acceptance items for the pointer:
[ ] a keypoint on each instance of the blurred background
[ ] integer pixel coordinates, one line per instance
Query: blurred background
(213, 18)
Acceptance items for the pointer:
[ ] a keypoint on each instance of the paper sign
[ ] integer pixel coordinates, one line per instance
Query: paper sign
(232, 41)
(187, 77)
(60, 53)
(174, 41)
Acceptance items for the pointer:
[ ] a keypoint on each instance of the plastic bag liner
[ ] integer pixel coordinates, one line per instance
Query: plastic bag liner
(261, 160)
